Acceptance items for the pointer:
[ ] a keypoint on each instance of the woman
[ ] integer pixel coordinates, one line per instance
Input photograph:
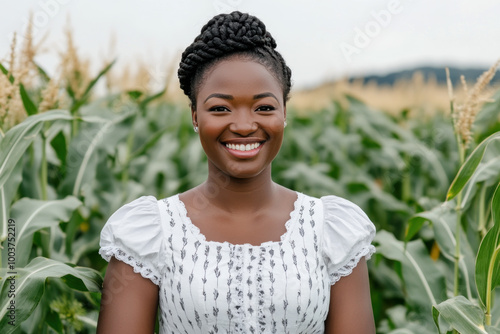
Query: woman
(238, 253)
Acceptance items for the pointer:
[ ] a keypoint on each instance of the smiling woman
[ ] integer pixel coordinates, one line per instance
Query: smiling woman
(239, 107)
(238, 253)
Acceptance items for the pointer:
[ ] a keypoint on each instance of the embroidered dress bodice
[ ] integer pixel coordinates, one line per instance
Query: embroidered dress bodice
(217, 287)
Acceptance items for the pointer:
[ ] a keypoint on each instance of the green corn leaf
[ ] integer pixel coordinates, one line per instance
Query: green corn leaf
(89, 87)
(487, 173)
(5, 72)
(54, 321)
(443, 221)
(314, 176)
(42, 73)
(30, 285)
(94, 81)
(404, 323)
(83, 245)
(488, 114)
(148, 99)
(470, 166)
(71, 93)
(3, 69)
(488, 256)
(82, 156)
(58, 143)
(71, 230)
(461, 314)
(30, 107)
(7, 193)
(31, 215)
(424, 282)
(20, 137)
(493, 329)
(150, 142)
(134, 94)
(415, 224)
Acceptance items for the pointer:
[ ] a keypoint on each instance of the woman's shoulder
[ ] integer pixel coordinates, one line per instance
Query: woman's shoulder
(339, 216)
(346, 235)
(335, 207)
(134, 234)
(138, 210)
(139, 220)
(336, 214)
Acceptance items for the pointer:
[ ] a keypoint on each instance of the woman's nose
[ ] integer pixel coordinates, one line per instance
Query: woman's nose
(243, 123)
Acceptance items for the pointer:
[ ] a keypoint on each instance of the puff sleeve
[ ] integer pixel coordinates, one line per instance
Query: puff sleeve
(347, 236)
(133, 234)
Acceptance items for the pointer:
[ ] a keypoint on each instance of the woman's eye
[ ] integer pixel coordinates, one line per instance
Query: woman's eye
(265, 108)
(218, 109)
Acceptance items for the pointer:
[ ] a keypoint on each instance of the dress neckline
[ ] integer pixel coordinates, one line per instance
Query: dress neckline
(195, 230)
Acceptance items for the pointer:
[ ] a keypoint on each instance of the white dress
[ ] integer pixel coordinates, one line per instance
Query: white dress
(218, 287)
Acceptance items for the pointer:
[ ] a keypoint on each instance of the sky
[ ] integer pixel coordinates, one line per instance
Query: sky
(320, 39)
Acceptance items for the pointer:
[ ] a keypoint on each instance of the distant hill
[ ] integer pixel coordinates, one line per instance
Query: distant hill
(471, 74)
(428, 92)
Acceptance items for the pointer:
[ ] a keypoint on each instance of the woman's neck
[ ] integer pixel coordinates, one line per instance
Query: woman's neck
(239, 195)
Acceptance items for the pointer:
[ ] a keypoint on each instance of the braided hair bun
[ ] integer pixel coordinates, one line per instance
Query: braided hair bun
(226, 35)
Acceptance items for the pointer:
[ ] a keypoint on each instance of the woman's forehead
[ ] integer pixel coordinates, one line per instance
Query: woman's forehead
(236, 74)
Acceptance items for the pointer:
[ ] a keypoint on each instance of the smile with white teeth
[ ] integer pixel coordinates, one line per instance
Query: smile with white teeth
(243, 147)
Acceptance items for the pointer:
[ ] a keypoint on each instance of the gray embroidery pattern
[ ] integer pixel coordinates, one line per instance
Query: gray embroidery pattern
(257, 282)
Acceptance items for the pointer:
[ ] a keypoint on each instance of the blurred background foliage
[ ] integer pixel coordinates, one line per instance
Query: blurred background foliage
(70, 157)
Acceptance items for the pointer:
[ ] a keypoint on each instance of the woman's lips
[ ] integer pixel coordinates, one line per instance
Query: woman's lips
(251, 149)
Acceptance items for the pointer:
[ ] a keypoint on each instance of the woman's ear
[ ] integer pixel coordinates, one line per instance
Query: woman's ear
(284, 114)
(194, 116)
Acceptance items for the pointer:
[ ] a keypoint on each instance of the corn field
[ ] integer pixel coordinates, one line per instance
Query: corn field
(70, 158)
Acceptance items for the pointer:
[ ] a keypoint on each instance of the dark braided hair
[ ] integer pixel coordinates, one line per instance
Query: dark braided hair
(226, 35)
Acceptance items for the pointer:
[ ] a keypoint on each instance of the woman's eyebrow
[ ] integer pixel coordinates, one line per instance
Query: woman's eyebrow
(219, 95)
(263, 95)
(230, 97)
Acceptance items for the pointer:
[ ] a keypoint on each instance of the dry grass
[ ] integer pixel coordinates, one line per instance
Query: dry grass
(420, 97)
(50, 96)
(22, 68)
(73, 75)
(416, 95)
(12, 57)
(11, 107)
(26, 69)
(75, 71)
(138, 80)
(465, 111)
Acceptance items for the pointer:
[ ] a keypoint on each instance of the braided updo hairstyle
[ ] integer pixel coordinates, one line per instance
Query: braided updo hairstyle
(227, 35)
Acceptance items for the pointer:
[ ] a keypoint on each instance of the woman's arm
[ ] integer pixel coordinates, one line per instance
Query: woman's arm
(350, 304)
(129, 301)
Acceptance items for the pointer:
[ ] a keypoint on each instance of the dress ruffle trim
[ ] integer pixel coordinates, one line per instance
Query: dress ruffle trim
(139, 267)
(347, 269)
(195, 230)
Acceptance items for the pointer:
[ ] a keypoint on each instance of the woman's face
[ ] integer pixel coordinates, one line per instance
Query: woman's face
(240, 115)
